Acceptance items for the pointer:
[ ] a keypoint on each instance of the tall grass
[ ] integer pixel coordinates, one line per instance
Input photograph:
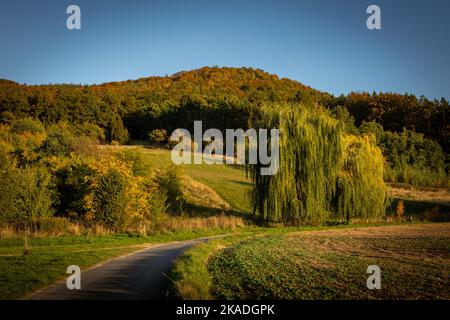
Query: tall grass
(59, 227)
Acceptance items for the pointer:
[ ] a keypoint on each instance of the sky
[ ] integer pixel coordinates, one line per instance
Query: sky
(323, 44)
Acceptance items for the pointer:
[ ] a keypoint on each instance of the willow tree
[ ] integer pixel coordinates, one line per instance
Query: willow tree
(321, 172)
(310, 149)
(361, 192)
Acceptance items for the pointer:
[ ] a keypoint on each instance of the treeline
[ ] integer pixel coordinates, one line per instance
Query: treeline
(396, 112)
(151, 108)
(410, 157)
(60, 171)
(221, 97)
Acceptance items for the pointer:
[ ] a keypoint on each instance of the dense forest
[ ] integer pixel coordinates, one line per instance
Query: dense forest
(414, 133)
(221, 96)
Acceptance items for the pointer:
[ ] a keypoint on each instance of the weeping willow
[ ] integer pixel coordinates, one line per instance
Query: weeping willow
(361, 192)
(322, 174)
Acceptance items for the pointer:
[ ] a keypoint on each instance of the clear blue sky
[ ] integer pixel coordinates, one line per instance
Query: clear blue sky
(324, 44)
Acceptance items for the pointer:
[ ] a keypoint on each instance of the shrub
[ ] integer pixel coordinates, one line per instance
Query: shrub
(158, 137)
(25, 147)
(411, 158)
(116, 196)
(109, 199)
(85, 146)
(59, 140)
(52, 226)
(170, 183)
(27, 125)
(89, 130)
(25, 195)
(140, 166)
(73, 180)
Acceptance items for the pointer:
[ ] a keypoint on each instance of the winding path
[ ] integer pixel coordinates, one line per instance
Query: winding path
(137, 276)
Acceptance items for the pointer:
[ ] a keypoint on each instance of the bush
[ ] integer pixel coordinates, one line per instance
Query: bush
(170, 183)
(116, 197)
(89, 130)
(411, 158)
(59, 140)
(158, 137)
(109, 200)
(27, 125)
(25, 195)
(73, 180)
(140, 166)
(52, 226)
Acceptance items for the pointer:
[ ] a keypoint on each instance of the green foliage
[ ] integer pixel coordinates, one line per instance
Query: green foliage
(140, 165)
(361, 192)
(319, 173)
(158, 137)
(89, 130)
(372, 127)
(116, 132)
(25, 195)
(59, 140)
(341, 113)
(301, 190)
(73, 180)
(27, 125)
(109, 200)
(411, 157)
(395, 112)
(170, 184)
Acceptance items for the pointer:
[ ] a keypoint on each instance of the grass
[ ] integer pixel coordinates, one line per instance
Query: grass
(190, 277)
(49, 257)
(414, 261)
(229, 182)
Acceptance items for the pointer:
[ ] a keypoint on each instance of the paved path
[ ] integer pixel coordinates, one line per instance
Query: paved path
(138, 276)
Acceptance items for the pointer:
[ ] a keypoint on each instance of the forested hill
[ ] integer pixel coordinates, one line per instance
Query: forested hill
(221, 97)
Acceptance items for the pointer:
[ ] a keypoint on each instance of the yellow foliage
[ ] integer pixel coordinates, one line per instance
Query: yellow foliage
(136, 193)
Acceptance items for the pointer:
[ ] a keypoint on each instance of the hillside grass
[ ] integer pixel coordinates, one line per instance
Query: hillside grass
(230, 182)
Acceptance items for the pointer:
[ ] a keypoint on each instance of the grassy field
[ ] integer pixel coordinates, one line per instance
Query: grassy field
(332, 264)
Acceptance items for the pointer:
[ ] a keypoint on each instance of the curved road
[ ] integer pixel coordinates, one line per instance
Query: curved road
(137, 276)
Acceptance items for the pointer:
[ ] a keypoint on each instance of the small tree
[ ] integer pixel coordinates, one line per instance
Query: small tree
(400, 209)
(158, 137)
(169, 181)
(109, 200)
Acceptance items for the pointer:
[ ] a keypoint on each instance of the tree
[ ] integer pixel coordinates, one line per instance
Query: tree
(323, 173)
